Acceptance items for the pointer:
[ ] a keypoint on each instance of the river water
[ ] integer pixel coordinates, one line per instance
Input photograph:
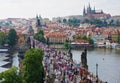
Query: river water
(15, 61)
(2, 62)
(108, 63)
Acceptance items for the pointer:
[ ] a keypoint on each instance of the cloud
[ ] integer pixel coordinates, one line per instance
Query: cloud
(53, 8)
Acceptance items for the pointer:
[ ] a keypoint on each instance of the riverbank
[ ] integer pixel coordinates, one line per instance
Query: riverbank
(62, 47)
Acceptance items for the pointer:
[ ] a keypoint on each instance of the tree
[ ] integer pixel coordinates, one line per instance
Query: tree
(12, 38)
(117, 23)
(59, 21)
(11, 76)
(111, 23)
(86, 21)
(91, 41)
(3, 37)
(119, 38)
(64, 20)
(33, 71)
(98, 22)
(105, 24)
(40, 36)
(66, 43)
(74, 22)
(84, 37)
(78, 37)
(41, 32)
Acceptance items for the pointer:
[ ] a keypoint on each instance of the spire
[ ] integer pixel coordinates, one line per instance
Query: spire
(89, 9)
(84, 13)
(89, 5)
(36, 16)
(94, 8)
(38, 22)
(40, 17)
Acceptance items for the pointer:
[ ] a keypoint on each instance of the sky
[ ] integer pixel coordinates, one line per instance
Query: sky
(53, 8)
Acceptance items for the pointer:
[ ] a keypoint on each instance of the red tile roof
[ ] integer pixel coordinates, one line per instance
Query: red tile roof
(56, 35)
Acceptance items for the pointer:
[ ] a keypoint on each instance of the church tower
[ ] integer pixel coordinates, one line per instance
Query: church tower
(84, 11)
(89, 9)
(38, 22)
(94, 10)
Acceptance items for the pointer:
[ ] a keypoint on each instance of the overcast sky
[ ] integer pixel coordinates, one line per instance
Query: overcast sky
(53, 8)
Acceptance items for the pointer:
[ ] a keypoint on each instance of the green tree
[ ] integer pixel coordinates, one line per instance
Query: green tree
(3, 37)
(59, 21)
(33, 71)
(40, 36)
(64, 20)
(11, 76)
(41, 32)
(91, 41)
(117, 23)
(105, 24)
(66, 43)
(78, 37)
(98, 22)
(74, 22)
(119, 38)
(84, 37)
(111, 23)
(86, 21)
(12, 38)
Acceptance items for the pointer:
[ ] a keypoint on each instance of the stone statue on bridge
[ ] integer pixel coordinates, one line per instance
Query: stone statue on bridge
(70, 53)
(84, 58)
(33, 43)
(28, 41)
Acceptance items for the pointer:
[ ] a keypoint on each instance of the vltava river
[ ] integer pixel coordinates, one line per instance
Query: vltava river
(108, 63)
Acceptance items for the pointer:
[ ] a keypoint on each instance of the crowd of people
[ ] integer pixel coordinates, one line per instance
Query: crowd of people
(61, 68)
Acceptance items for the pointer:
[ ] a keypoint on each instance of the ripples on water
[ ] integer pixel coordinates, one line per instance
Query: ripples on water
(108, 61)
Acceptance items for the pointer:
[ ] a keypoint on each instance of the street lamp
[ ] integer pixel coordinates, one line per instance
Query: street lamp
(97, 73)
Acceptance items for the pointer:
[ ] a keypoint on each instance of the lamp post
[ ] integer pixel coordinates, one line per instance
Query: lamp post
(97, 73)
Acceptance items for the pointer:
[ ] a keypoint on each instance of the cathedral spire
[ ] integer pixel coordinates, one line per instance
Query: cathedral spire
(40, 17)
(94, 11)
(89, 4)
(36, 16)
(84, 11)
(94, 8)
(89, 9)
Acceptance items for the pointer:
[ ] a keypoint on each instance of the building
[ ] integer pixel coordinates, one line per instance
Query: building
(93, 13)
(29, 31)
(56, 37)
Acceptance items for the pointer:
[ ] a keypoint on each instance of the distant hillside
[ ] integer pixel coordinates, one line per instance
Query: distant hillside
(80, 17)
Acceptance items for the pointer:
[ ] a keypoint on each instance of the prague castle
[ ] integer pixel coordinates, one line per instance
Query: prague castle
(93, 13)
